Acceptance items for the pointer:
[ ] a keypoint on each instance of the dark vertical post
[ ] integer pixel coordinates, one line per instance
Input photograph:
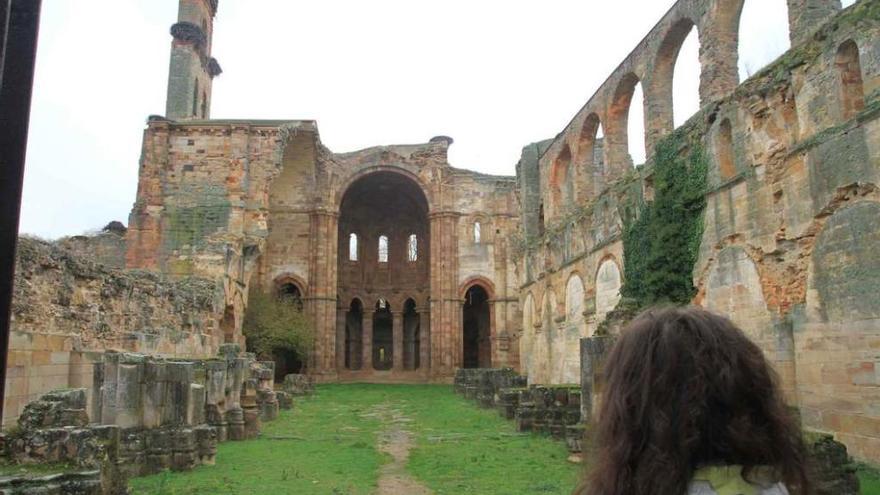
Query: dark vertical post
(19, 23)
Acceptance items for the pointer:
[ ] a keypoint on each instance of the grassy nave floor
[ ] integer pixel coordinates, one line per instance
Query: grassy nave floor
(330, 445)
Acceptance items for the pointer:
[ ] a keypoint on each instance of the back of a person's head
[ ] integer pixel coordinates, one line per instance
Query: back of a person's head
(685, 388)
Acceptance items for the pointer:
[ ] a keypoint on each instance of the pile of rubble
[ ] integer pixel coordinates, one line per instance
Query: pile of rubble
(146, 415)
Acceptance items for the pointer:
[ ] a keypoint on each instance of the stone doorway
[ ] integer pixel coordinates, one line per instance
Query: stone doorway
(383, 342)
(477, 329)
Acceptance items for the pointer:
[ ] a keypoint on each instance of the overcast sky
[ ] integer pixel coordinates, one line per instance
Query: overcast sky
(494, 75)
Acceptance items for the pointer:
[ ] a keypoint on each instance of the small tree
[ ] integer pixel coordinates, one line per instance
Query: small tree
(274, 324)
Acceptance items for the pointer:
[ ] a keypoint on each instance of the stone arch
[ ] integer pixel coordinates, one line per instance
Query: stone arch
(574, 299)
(591, 158)
(479, 280)
(845, 266)
(836, 359)
(609, 280)
(354, 178)
(724, 150)
(619, 160)
(660, 95)
(561, 182)
(849, 68)
(734, 289)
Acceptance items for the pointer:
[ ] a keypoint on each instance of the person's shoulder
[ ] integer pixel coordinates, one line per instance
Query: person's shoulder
(729, 480)
(705, 488)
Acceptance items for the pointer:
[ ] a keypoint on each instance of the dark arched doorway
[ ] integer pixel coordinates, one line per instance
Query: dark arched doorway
(411, 336)
(477, 329)
(383, 342)
(290, 293)
(354, 335)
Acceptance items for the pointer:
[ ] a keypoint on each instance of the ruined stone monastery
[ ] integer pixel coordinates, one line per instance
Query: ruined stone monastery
(410, 268)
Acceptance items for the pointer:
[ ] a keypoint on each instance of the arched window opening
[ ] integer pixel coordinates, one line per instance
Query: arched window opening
(383, 249)
(477, 352)
(204, 105)
(763, 35)
(290, 293)
(383, 342)
(636, 126)
(412, 248)
(352, 247)
(852, 92)
(195, 108)
(686, 80)
(412, 339)
(724, 150)
(478, 234)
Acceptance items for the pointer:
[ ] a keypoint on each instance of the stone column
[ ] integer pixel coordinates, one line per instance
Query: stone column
(321, 299)
(424, 339)
(341, 323)
(493, 334)
(367, 329)
(397, 339)
(445, 302)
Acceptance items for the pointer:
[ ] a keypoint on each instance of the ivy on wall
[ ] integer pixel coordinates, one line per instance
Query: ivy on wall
(662, 243)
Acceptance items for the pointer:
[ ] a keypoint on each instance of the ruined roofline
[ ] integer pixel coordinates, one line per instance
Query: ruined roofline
(483, 176)
(228, 122)
(409, 148)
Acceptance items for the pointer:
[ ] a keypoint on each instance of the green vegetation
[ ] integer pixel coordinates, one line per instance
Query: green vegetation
(328, 445)
(276, 324)
(661, 245)
(869, 478)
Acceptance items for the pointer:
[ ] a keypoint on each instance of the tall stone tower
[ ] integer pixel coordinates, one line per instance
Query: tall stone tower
(192, 66)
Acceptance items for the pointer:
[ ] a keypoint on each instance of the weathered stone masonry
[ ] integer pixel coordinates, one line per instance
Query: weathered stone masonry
(790, 233)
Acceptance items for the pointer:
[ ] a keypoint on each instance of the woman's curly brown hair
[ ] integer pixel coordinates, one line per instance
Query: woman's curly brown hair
(686, 388)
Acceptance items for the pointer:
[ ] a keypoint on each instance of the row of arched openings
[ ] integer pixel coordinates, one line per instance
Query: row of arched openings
(372, 338)
(382, 251)
(763, 37)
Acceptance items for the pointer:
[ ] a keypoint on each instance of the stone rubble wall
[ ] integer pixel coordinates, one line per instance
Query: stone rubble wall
(150, 415)
(67, 309)
(549, 410)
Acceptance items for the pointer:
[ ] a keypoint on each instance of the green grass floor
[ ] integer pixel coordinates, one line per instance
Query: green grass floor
(869, 479)
(328, 445)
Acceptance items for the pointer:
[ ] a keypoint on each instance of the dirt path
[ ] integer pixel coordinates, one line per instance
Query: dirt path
(396, 441)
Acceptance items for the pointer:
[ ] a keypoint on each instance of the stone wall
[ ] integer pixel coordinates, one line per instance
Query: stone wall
(792, 200)
(144, 415)
(67, 309)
